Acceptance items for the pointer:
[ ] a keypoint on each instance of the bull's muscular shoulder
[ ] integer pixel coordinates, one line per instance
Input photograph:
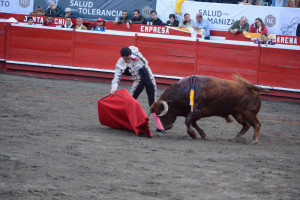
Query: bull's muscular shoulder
(181, 89)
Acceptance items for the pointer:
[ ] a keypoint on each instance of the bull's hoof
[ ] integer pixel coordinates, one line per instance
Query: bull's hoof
(253, 142)
(240, 140)
(193, 137)
(203, 136)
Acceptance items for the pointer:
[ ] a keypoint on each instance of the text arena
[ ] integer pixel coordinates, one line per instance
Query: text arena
(282, 39)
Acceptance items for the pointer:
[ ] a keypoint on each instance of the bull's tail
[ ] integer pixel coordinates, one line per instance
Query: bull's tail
(248, 84)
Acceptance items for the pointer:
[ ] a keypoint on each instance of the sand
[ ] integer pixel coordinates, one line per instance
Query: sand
(52, 146)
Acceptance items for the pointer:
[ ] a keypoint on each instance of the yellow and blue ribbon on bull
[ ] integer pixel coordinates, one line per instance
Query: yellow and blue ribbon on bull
(192, 102)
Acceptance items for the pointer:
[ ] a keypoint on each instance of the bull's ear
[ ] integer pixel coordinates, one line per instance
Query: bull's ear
(169, 102)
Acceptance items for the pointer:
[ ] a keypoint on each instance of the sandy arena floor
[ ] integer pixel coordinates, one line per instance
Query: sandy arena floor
(52, 146)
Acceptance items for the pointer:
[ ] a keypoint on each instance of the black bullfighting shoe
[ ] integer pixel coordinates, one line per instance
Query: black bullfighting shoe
(161, 130)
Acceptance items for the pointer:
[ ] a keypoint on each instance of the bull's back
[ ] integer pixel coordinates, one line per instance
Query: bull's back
(225, 97)
(213, 96)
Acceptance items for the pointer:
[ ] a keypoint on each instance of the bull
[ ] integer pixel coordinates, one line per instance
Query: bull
(213, 97)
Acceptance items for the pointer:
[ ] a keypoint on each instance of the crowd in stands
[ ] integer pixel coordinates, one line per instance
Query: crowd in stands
(277, 3)
(199, 23)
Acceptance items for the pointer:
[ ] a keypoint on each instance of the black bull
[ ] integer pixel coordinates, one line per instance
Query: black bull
(213, 97)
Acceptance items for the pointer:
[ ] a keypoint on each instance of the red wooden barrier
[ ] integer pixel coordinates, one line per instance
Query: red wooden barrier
(223, 60)
(70, 49)
(168, 56)
(2, 45)
(237, 36)
(40, 45)
(279, 67)
(59, 21)
(2, 40)
(99, 50)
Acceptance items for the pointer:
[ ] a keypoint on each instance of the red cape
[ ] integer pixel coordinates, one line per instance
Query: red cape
(122, 111)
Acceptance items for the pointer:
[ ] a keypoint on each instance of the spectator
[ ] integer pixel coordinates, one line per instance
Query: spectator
(53, 10)
(278, 3)
(293, 3)
(186, 22)
(132, 63)
(267, 2)
(123, 19)
(202, 24)
(68, 13)
(256, 2)
(298, 30)
(172, 21)
(258, 26)
(239, 26)
(80, 25)
(100, 25)
(137, 18)
(228, 1)
(30, 21)
(49, 22)
(154, 19)
(68, 23)
(264, 40)
(244, 2)
(38, 11)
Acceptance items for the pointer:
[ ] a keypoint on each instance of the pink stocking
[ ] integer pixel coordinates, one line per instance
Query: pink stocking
(157, 122)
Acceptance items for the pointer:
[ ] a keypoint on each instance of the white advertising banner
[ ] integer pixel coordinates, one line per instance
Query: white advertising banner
(290, 20)
(222, 16)
(16, 6)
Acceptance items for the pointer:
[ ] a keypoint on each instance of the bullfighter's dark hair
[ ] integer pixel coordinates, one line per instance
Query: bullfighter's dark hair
(125, 51)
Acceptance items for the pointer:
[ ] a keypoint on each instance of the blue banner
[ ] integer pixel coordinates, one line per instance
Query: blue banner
(106, 9)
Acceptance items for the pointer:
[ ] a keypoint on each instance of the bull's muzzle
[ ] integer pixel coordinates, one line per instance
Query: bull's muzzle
(167, 127)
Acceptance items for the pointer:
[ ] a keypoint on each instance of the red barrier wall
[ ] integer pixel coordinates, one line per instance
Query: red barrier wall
(168, 57)
(237, 36)
(39, 45)
(275, 67)
(99, 50)
(279, 68)
(223, 60)
(2, 40)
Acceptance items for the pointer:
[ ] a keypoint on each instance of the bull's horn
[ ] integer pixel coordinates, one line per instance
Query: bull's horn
(166, 107)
